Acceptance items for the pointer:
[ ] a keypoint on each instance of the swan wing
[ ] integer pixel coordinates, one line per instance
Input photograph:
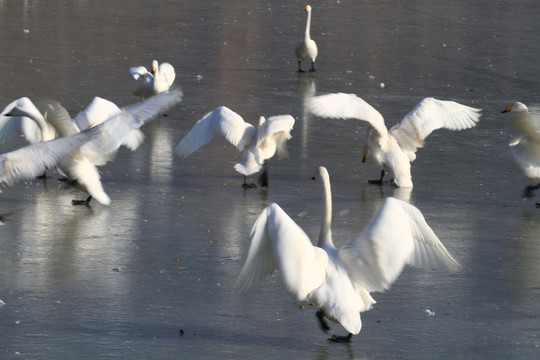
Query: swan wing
(346, 106)
(431, 114)
(32, 160)
(222, 121)
(398, 235)
(115, 130)
(22, 116)
(58, 117)
(96, 112)
(277, 242)
(280, 127)
(137, 71)
(167, 71)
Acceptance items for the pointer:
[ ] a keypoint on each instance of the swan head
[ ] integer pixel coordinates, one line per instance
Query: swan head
(154, 66)
(262, 120)
(516, 107)
(308, 8)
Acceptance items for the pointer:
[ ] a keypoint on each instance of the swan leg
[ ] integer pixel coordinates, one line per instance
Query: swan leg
(300, 67)
(263, 178)
(528, 191)
(312, 66)
(341, 339)
(43, 176)
(82, 202)
(322, 321)
(245, 185)
(378, 182)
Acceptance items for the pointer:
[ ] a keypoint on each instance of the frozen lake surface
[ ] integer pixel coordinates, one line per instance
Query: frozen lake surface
(153, 275)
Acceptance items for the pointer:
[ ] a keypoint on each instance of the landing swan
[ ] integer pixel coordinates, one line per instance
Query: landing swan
(306, 48)
(395, 149)
(339, 280)
(159, 79)
(525, 148)
(80, 166)
(258, 145)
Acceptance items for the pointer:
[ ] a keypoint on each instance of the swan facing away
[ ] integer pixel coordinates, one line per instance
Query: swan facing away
(257, 144)
(115, 128)
(525, 148)
(339, 280)
(306, 48)
(395, 149)
(159, 79)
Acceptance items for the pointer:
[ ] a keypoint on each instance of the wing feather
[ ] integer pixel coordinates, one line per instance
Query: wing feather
(398, 235)
(277, 242)
(431, 114)
(222, 121)
(346, 106)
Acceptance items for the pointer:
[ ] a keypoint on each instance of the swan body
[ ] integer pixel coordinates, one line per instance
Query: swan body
(159, 79)
(339, 280)
(306, 48)
(525, 147)
(395, 149)
(257, 144)
(80, 165)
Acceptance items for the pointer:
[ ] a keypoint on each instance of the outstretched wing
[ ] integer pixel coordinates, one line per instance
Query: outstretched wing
(346, 106)
(398, 235)
(137, 71)
(221, 121)
(280, 127)
(33, 160)
(432, 114)
(167, 70)
(277, 242)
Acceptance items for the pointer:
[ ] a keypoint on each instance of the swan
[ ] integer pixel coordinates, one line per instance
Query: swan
(159, 79)
(395, 149)
(339, 280)
(257, 145)
(34, 159)
(81, 165)
(306, 48)
(525, 148)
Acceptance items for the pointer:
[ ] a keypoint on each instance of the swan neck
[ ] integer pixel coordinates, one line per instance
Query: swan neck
(308, 25)
(325, 236)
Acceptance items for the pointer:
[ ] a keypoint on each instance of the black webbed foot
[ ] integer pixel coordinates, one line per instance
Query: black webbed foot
(341, 339)
(82, 202)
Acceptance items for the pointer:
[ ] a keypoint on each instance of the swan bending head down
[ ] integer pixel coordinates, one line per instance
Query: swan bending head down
(257, 144)
(395, 149)
(340, 280)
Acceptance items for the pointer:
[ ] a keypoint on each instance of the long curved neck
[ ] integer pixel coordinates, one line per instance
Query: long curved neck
(25, 108)
(325, 236)
(308, 25)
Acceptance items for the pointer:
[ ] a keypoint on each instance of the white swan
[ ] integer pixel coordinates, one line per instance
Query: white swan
(525, 148)
(394, 150)
(306, 48)
(339, 280)
(258, 145)
(35, 159)
(159, 79)
(81, 165)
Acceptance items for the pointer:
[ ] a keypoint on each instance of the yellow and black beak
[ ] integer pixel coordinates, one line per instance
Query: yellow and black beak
(508, 109)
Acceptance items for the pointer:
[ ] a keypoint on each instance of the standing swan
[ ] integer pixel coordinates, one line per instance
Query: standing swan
(306, 48)
(159, 79)
(258, 145)
(339, 280)
(394, 150)
(525, 148)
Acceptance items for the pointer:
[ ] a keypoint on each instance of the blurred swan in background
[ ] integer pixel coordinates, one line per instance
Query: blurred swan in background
(525, 148)
(81, 165)
(159, 79)
(306, 48)
(258, 145)
(339, 280)
(394, 150)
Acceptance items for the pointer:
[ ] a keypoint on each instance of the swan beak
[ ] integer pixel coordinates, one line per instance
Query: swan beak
(364, 158)
(154, 69)
(508, 109)
(308, 8)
